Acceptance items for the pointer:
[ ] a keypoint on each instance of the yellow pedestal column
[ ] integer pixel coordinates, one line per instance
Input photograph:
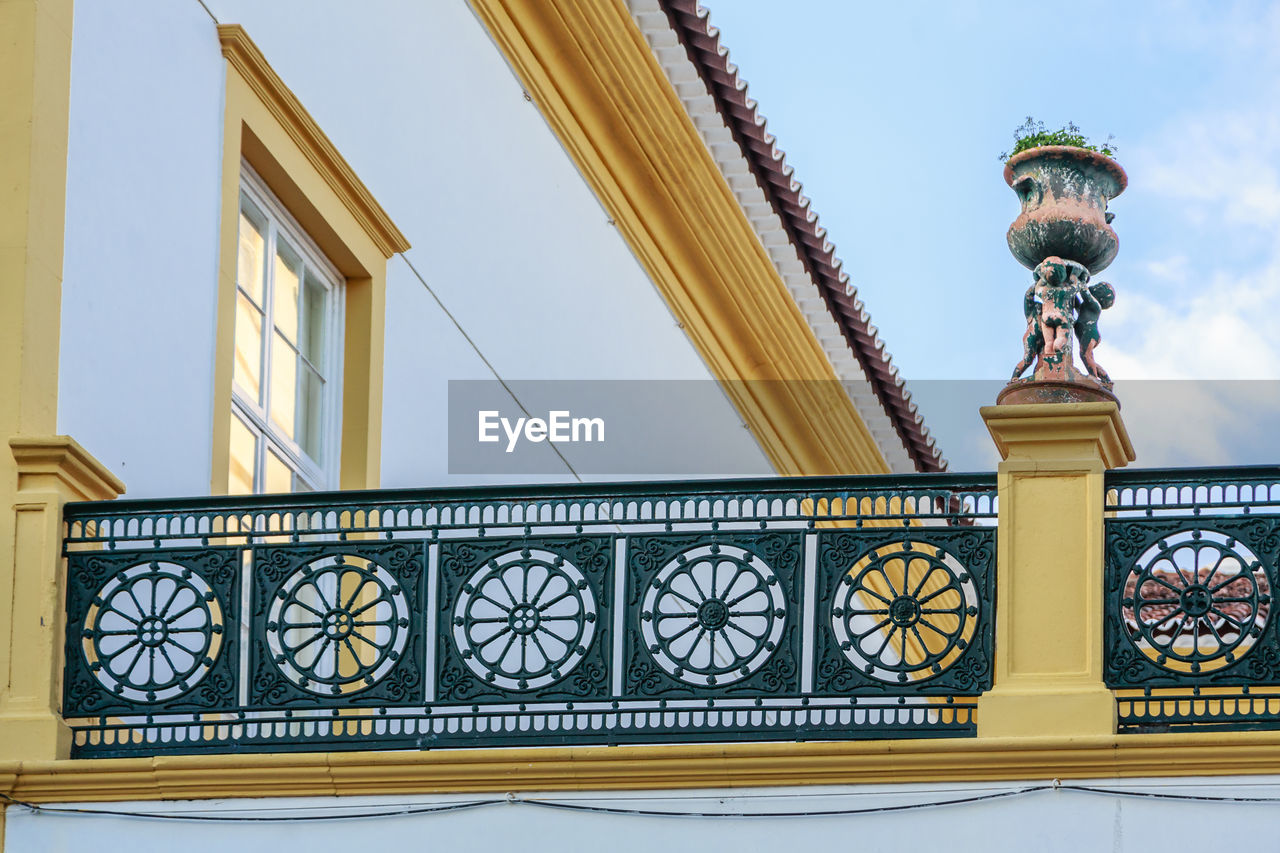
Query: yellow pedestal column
(1049, 599)
(50, 472)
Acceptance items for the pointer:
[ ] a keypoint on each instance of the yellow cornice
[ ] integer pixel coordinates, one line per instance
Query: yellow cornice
(641, 767)
(62, 458)
(1085, 430)
(247, 59)
(587, 66)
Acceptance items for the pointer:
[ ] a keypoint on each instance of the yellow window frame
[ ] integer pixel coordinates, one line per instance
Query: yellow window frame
(267, 126)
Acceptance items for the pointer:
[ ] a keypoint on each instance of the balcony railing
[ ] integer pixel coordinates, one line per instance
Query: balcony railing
(817, 608)
(1192, 562)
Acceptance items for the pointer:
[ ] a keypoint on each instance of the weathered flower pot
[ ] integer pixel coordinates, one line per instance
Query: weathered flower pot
(1064, 193)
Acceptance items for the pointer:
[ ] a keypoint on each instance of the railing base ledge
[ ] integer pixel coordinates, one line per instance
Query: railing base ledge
(33, 736)
(1057, 711)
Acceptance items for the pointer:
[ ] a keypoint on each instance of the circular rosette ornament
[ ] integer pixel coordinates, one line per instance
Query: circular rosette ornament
(337, 625)
(152, 632)
(524, 620)
(713, 615)
(905, 612)
(1196, 601)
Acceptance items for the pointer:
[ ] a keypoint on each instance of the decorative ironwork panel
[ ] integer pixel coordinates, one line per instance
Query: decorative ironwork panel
(576, 614)
(337, 624)
(911, 612)
(714, 614)
(1190, 601)
(1192, 558)
(525, 618)
(151, 633)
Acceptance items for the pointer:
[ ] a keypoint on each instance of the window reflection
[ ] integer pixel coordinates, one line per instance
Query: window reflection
(284, 385)
(244, 453)
(248, 367)
(252, 251)
(282, 402)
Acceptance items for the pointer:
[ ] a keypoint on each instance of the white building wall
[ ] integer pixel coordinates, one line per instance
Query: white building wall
(1045, 820)
(419, 100)
(141, 247)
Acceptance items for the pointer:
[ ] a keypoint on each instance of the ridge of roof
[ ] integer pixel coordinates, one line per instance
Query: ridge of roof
(701, 41)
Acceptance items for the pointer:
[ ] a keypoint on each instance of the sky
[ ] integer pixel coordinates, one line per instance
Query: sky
(894, 115)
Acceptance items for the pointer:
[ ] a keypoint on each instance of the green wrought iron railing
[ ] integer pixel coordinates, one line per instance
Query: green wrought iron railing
(1192, 560)
(783, 609)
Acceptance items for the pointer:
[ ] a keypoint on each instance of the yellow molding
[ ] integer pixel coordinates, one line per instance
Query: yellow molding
(1076, 431)
(590, 71)
(245, 56)
(642, 767)
(62, 458)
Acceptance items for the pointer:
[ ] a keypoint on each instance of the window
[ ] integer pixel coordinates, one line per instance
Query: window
(286, 376)
(294, 217)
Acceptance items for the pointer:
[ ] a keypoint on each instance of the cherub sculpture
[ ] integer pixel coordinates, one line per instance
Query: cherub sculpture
(1061, 301)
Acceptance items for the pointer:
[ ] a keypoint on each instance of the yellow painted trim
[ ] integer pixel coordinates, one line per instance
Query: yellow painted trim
(1062, 431)
(641, 767)
(265, 124)
(587, 66)
(41, 460)
(35, 98)
(253, 67)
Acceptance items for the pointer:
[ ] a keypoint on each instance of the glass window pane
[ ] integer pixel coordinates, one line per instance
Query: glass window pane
(248, 366)
(252, 251)
(313, 317)
(284, 385)
(288, 271)
(244, 457)
(310, 412)
(278, 477)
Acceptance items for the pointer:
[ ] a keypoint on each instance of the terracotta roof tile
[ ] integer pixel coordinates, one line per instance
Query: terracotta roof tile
(775, 177)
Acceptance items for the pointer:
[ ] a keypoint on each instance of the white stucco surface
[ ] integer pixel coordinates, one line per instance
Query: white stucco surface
(1046, 820)
(539, 284)
(140, 253)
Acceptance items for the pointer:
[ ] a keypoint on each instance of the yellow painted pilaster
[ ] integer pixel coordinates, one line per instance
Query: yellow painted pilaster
(35, 95)
(1048, 667)
(38, 470)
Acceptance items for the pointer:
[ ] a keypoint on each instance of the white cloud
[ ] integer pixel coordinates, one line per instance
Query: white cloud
(1226, 331)
(1242, 30)
(1218, 165)
(1205, 310)
(1204, 304)
(1201, 422)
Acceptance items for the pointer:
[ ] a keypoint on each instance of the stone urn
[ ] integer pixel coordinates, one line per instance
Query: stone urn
(1063, 235)
(1064, 193)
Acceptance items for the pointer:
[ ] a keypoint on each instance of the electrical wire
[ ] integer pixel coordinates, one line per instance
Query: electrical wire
(1155, 795)
(208, 11)
(409, 811)
(476, 347)
(613, 810)
(512, 799)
